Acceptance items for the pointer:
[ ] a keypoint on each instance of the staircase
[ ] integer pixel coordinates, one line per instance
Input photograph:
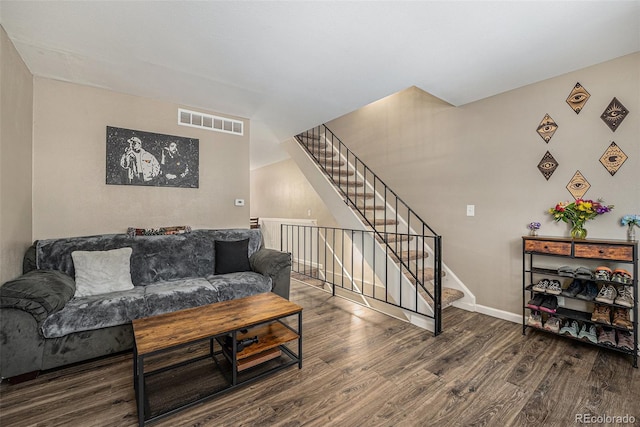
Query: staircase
(367, 203)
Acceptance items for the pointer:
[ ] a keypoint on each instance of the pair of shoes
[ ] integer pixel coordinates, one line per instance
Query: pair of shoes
(570, 327)
(588, 332)
(574, 288)
(550, 304)
(547, 286)
(625, 296)
(552, 324)
(625, 340)
(606, 336)
(565, 271)
(589, 292)
(601, 314)
(607, 294)
(541, 286)
(621, 276)
(621, 318)
(603, 273)
(535, 319)
(535, 302)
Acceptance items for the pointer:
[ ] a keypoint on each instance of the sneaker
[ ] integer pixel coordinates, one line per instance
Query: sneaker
(588, 333)
(621, 318)
(607, 294)
(550, 304)
(621, 276)
(603, 273)
(583, 273)
(606, 336)
(601, 314)
(625, 296)
(589, 292)
(535, 302)
(535, 320)
(574, 288)
(570, 328)
(541, 286)
(565, 271)
(554, 287)
(552, 324)
(625, 340)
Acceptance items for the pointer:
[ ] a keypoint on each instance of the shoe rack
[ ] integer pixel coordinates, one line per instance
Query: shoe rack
(550, 259)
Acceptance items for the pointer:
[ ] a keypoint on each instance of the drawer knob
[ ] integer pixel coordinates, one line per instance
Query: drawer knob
(601, 251)
(546, 247)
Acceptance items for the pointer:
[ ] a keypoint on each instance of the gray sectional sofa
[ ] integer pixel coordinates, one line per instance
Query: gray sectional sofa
(53, 315)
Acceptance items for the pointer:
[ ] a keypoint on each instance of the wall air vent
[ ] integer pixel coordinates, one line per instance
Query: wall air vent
(209, 122)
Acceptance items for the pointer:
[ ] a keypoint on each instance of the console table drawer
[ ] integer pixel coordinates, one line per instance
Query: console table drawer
(548, 247)
(614, 252)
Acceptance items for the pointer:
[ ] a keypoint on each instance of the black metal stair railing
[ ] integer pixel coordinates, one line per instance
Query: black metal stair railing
(386, 214)
(348, 260)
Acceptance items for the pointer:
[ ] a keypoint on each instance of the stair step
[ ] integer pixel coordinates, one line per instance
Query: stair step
(392, 238)
(340, 172)
(344, 181)
(319, 154)
(428, 275)
(370, 207)
(382, 221)
(316, 145)
(410, 255)
(332, 163)
(359, 195)
(448, 295)
(310, 136)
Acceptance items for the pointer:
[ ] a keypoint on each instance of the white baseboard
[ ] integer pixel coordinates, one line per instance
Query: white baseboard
(500, 314)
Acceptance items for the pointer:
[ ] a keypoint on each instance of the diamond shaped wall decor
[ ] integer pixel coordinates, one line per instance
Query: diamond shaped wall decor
(614, 114)
(613, 158)
(547, 165)
(578, 186)
(547, 128)
(578, 97)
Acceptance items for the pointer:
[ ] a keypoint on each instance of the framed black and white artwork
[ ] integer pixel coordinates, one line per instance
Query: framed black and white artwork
(151, 159)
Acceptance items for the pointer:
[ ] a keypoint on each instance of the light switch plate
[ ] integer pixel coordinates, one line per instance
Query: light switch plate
(471, 210)
(239, 202)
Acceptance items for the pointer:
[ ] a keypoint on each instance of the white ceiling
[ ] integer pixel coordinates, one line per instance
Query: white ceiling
(291, 65)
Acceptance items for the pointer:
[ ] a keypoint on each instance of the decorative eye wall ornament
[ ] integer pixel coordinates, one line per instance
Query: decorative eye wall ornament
(547, 128)
(613, 158)
(578, 186)
(614, 114)
(547, 165)
(578, 97)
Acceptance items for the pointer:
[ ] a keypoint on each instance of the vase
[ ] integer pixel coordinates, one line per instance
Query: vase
(578, 231)
(631, 233)
(533, 232)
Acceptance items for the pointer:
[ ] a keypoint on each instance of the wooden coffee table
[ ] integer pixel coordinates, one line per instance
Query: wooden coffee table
(223, 325)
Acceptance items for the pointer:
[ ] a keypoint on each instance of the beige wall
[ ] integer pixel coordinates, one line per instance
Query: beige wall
(70, 197)
(16, 106)
(294, 197)
(440, 158)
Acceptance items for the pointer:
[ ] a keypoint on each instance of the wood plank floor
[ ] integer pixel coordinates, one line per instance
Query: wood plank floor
(362, 368)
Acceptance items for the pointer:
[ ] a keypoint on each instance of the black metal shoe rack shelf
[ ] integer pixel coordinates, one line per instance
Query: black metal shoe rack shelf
(542, 255)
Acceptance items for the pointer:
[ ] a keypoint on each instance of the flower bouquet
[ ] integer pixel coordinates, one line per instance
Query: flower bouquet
(577, 213)
(533, 228)
(630, 221)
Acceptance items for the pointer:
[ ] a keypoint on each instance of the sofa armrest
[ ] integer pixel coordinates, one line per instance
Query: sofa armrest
(38, 292)
(275, 264)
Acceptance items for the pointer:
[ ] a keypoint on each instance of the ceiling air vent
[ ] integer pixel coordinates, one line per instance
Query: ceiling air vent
(207, 121)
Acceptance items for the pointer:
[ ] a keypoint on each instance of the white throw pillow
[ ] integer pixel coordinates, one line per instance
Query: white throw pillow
(99, 272)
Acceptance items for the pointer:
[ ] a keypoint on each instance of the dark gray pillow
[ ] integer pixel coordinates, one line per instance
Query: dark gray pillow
(232, 256)
(38, 292)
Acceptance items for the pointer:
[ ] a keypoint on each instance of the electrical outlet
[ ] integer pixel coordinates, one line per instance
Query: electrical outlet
(471, 210)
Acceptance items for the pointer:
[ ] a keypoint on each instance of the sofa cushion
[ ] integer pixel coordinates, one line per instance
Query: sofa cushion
(175, 295)
(95, 312)
(238, 285)
(232, 256)
(38, 292)
(101, 272)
